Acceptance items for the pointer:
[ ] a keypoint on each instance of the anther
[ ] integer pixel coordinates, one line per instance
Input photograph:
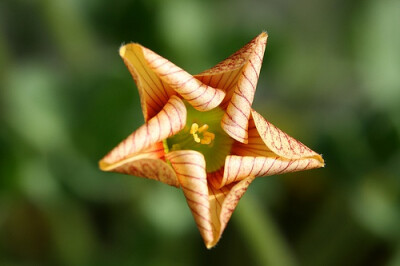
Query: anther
(203, 128)
(194, 128)
(206, 137)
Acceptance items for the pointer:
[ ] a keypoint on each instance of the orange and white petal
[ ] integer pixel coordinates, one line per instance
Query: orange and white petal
(190, 169)
(201, 96)
(211, 208)
(224, 201)
(154, 93)
(148, 164)
(259, 157)
(281, 143)
(169, 121)
(255, 146)
(225, 74)
(241, 167)
(240, 97)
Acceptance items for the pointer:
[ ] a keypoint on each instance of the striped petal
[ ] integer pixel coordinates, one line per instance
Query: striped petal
(154, 93)
(281, 143)
(163, 79)
(269, 151)
(238, 77)
(240, 167)
(211, 208)
(146, 141)
(148, 164)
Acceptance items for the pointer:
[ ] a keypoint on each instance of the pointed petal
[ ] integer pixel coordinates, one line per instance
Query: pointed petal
(260, 157)
(211, 208)
(154, 94)
(190, 169)
(226, 73)
(240, 167)
(199, 95)
(255, 146)
(169, 121)
(281, 143)
(240, 96)
(224, 201)
(148, 164)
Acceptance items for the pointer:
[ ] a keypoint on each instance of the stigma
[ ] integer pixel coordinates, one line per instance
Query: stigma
(201, 135)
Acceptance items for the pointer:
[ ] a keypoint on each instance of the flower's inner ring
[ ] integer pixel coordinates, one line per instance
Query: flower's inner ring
(203, 133)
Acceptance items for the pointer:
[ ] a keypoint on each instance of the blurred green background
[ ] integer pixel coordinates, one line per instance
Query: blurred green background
(330, 78)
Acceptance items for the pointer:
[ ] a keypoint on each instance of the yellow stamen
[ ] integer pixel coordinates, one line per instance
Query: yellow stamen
(196, 138)
(203, 128)
(194, 128)
(207, 137)
(205, 141)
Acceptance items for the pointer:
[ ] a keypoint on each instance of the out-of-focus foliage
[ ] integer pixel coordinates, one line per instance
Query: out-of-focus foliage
(331, 78)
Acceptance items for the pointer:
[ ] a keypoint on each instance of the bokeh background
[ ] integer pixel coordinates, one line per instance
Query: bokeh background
(330, 78)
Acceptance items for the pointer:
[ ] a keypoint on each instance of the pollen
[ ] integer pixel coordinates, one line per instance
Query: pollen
(201, 135)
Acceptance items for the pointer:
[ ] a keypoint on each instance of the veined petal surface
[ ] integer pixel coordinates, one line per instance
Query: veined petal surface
(269, 151)
(199, 95)
(281, 143)
(154, 93)
(146, 141)
(238, 76)
(211, 208)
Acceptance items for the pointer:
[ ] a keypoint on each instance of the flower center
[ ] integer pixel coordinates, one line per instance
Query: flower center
(203, 133)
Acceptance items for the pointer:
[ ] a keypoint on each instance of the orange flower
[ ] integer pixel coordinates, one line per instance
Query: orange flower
(202, 135)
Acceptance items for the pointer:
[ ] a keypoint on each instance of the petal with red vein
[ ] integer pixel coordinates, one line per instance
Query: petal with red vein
(169, 121)
(240, 167)
(190, 169)
(255, 146)
(261, 157)
(199, 95)
(223, 202)
(152, 90)
(149, 168)
(225, 74)
(281, 143)
(235, 120)
(211, 208)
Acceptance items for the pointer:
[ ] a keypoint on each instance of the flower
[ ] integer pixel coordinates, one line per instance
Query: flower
(201, 134)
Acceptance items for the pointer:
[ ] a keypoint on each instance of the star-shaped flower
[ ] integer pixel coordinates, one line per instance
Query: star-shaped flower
(201, 134)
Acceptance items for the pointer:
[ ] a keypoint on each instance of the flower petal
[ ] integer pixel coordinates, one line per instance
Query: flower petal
(238, 76)
(148, 164)
(199, 95)
(154, 94)
(169, 121)
(225, 201)
(281, 143)
(235, 120)
(260, 157)
(240, 167)
(189, 167)
(225, 74)
(211, 208)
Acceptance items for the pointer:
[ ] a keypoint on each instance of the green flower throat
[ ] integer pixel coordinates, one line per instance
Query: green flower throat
(203, 133)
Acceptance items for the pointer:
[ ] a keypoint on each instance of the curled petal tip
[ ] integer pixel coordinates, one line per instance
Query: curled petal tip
(321, 160)
(264, 34)
(122, 50)
(126, 47)
(210, 245)
(103, 165)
